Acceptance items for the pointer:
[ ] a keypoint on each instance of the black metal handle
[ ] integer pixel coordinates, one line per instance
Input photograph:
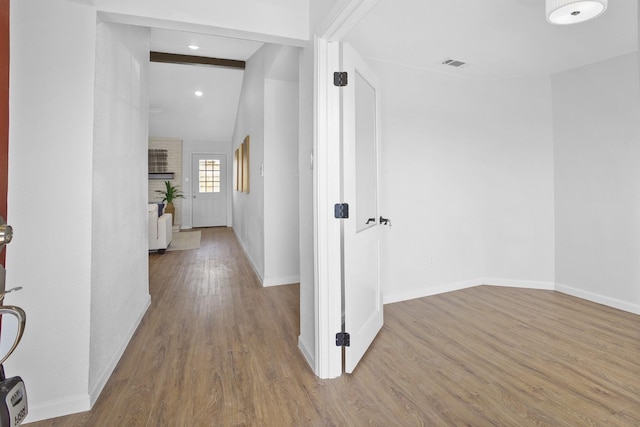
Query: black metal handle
(371, 220)
(385, 221)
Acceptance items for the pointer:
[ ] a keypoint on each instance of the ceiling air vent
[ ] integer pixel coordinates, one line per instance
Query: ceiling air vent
(453, 63)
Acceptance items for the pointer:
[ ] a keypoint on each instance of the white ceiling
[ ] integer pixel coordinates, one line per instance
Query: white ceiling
(174, 110)
(212, 46)
(497, 38)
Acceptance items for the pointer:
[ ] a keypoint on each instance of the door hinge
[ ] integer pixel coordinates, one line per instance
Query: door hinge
(340, 78)
(343, 339)
(341, 210)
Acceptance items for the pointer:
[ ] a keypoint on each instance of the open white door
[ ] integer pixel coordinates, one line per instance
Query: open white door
(363, 312)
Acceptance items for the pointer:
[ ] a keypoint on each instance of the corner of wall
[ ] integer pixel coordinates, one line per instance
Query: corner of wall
(58, 407)
(599, 298)
(108, 369)
(456, 286)
(308, 355)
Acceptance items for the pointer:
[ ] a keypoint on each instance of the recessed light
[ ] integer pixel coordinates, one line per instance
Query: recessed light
(198, 93)
(194, 47)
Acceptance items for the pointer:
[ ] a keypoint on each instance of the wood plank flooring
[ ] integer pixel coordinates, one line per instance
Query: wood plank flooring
(216, 349)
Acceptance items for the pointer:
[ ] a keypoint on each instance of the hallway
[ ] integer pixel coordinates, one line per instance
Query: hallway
(212, 349)
(217, 349)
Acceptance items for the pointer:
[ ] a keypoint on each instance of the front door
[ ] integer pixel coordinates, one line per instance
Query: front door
(4, 109)
(209, 208)
(4, 122)
(363, 313)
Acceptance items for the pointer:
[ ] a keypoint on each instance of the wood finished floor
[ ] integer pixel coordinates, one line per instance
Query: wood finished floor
(216, 349)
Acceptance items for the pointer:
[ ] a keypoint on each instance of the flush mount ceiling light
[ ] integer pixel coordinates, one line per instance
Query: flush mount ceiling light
(198, 93)
(563, 12)
(194, 47)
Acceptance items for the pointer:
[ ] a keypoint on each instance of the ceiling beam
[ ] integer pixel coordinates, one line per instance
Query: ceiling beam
(173, 58)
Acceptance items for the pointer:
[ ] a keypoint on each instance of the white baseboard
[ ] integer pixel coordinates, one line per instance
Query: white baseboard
(428, 291)
(270, 281)
(511, 283)
(84, 402)
(600, 299)
(456, 286)
(310, 358)
(278, 281)
(58, 407)
(117, 355)
(529, 284)
(246, 252)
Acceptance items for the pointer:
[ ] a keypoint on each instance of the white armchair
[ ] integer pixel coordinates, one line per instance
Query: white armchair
(160, 229)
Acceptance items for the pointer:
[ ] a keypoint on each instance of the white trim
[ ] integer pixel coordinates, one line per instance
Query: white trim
(515, 283)
(327, 183)
(246, 252)
(229, 181)
(600, 299)
(111, 366)
(143, 21)
(83, 2)
(456, 286)
(305, 352)
(280, 281)
(265, 282)
(326, 192)
(58, 407)
(429, 291)
(511, 283)
(342, 17)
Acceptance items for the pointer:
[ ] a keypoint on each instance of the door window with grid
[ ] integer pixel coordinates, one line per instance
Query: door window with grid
(209, 176)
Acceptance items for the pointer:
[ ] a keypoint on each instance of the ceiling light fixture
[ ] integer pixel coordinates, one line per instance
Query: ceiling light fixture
(194, 47)
(198, 93)
(563, 12)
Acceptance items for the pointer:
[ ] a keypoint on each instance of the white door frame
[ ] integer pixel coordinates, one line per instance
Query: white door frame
(229, 183)
(328, 183)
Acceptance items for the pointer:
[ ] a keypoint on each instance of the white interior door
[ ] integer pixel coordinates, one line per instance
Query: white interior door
(363, 312)
(209, 192)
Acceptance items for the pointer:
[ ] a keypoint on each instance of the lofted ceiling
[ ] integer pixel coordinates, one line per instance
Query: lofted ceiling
(174, 110)
(497, 38)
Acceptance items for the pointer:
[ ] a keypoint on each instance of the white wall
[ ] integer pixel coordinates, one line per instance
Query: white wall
(50, 199)
(282, 18)
(84, 212)
(282, 251)
(596, 125)
(321, 10)
(268, 114)
(467, 181)
(201, 147)
(51, 132)
(119, 268)
(248, 208)
(306, 340)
